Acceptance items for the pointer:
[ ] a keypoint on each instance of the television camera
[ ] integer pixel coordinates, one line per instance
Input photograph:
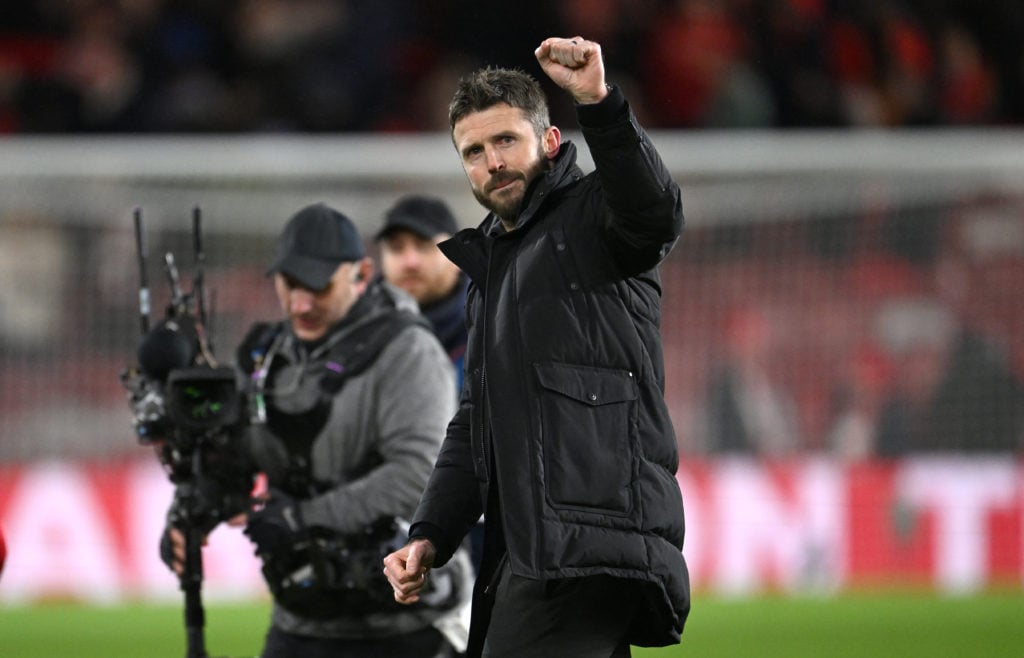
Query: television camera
(191, 410)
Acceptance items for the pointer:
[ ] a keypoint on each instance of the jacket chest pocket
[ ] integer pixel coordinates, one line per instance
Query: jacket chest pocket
(588, 430)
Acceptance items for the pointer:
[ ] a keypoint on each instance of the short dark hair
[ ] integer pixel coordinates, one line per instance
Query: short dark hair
(491, 86)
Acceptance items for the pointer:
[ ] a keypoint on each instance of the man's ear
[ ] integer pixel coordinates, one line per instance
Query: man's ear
(552, 142)
(363, 271)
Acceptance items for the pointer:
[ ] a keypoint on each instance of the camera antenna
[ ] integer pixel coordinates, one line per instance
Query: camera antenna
(143, 254)
(198, 290)
(178, 300)
(198, 294)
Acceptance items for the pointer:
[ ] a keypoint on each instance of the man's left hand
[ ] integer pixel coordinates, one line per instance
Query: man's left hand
(575, 65)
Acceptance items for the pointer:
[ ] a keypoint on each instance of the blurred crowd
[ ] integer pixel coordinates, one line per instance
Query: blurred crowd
(874, 335)
(349, 65)
(871, 333)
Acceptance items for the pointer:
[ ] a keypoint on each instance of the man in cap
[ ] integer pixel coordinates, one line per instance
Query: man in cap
(411, 260)
(350, 418)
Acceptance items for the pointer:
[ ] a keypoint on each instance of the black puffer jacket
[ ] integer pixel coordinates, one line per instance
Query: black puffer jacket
(564, 378)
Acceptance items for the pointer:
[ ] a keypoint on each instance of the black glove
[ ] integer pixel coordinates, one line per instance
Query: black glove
(276, 525)
(167, 548)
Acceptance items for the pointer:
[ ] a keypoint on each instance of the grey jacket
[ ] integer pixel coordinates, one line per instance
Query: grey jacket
(374, 454)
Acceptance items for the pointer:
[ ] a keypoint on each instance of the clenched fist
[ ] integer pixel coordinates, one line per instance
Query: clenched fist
(575, 65)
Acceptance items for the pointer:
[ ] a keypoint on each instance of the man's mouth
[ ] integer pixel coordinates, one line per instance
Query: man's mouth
(410, 280)
(498, 184)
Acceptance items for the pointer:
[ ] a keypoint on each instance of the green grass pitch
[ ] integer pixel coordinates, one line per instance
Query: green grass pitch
(900, 624)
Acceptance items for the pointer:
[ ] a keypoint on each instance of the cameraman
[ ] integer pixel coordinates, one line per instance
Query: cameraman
(355, 392)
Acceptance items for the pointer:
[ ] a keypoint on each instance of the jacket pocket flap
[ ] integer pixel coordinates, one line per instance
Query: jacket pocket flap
(593, 386)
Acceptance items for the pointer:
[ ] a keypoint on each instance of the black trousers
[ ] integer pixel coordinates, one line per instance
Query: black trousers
(579, 617)
(428, 643)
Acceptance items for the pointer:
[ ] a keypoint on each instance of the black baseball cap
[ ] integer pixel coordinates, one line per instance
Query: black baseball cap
(314, 242)
(426, 216)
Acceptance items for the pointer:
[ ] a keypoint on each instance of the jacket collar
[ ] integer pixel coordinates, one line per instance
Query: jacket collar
(468, 247)
(562, 172)
(447, 315)
(378, 299)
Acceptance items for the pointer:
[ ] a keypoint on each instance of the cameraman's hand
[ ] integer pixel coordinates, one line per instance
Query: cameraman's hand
(275, 525)
(172, 549)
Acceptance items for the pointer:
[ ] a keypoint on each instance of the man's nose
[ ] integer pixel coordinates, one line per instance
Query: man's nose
(410, 258)
(494, 160)
(300, 300)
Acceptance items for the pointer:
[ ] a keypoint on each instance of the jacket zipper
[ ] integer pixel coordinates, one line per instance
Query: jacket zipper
(484, 413)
